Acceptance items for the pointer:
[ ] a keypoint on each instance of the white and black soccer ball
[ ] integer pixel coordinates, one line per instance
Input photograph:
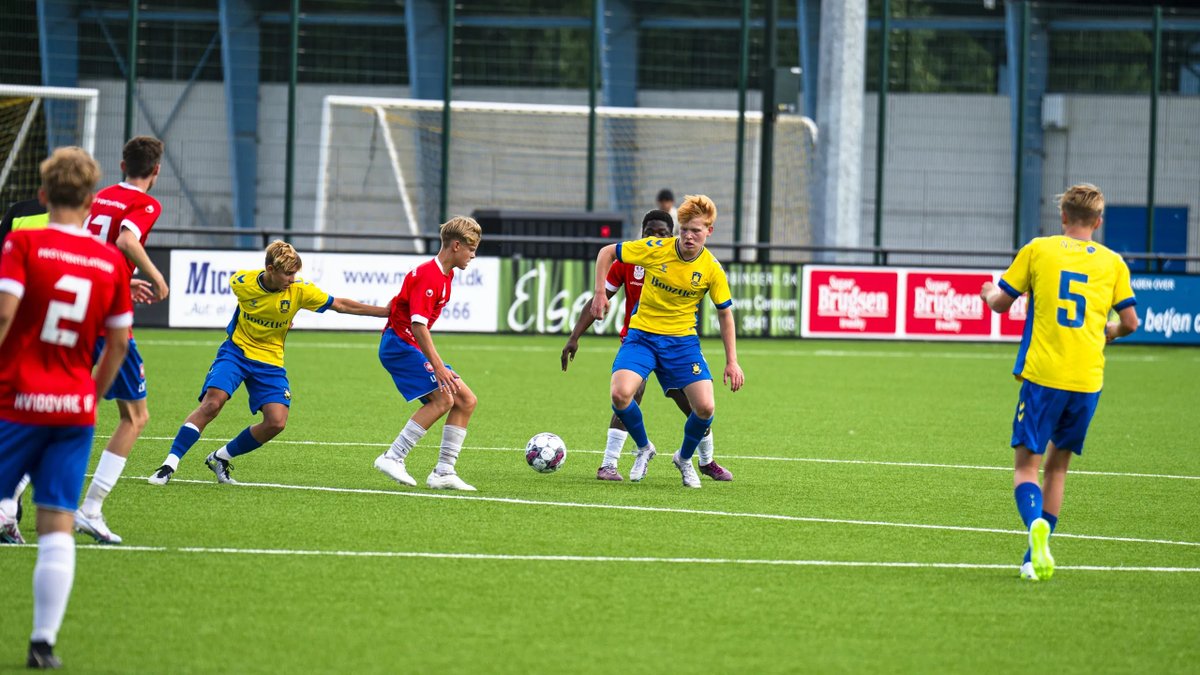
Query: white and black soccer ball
(545, 452)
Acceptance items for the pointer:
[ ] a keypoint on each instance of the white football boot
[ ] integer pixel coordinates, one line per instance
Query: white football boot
(95, 527)
(394, 468)
(690, 479)
(449, 481)
(641, 462)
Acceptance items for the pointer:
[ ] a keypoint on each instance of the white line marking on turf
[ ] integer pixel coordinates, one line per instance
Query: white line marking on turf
(606, 559)
(695, 512)
(818, 353)
(757, 458)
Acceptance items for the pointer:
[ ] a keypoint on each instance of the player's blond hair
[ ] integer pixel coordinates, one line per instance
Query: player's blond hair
(697, 206)
(461, 228)
(69, 177)
(1082, 203)
(282, 257)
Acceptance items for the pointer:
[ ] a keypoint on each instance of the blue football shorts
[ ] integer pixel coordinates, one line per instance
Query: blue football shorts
(55, 458)
(265, 382)
(1052, 415)
(130, 383)
(410, 370)
(675, 359)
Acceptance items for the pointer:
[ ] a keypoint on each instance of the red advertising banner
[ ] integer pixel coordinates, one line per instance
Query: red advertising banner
(897, 303)
(1012, 322)
(850, 302)
(946, 303)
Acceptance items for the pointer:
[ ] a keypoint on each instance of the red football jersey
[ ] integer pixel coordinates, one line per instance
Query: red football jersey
(122, 206)
(71, 287)
(631, 277)
(423, 294)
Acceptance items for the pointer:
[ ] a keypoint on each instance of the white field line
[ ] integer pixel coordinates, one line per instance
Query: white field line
(757, 458)
(693, 512)
(604, 559)
(830, 353)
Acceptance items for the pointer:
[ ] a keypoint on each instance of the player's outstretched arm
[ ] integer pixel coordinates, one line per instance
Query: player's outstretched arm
(111, 357)
(734, 376)
(347, 306)
(129, 245)
(1118, 329)
(604, 261)
(446, 380)
(585, 321)
(996, 298)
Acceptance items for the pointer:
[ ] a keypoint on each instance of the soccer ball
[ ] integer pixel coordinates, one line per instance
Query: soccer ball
(545, 452)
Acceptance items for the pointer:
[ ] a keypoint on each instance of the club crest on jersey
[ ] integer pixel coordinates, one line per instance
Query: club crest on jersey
(287, 394)
(639, 272)
(695, 368)
(696, 277)
(284, 306)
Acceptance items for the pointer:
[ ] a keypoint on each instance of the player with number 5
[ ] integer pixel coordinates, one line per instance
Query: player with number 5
(1072, 283)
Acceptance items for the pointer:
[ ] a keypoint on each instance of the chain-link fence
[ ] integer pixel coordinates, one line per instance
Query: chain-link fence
(990, 109)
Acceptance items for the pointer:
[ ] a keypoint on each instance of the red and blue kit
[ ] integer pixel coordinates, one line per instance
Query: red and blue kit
(423, 294)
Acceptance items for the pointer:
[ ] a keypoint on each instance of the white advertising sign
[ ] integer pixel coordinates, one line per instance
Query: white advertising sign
(201, 298)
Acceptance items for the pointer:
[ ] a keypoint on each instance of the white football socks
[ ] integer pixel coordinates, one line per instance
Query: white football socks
(53, 576)
(612, 449)
(452, 442)
(108, 471)
(706, 449)
(409, 436)
(172, 461)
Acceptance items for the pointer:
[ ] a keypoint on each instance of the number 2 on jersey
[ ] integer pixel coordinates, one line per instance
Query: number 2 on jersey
(1064, 293)
(71, 311)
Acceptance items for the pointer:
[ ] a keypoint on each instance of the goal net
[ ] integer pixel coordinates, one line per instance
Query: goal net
(381, 161)
(34, 121)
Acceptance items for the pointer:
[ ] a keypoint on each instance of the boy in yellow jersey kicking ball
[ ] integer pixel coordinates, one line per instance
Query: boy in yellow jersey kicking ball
(1072, 283)
(268, 300)
(662, 337)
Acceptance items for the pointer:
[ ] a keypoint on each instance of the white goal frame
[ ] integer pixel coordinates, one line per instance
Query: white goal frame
(91, 105)
(379, 106)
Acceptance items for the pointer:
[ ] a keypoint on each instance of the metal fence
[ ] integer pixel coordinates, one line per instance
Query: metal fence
(976, 113)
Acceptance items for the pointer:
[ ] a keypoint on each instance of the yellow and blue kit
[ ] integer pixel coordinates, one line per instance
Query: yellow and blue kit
(253, 353)
(1072, 285)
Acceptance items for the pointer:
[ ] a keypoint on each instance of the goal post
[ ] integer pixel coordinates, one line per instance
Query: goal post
(35, 120)
(380, 163)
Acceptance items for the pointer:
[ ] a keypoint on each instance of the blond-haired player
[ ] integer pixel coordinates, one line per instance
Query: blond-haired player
(407, 352)
(268, 301)
(662, 336)
(1072, 283)
(59, 290)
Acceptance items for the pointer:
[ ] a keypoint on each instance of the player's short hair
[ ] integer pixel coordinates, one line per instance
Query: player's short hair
(141, 155)
(665, 195)
(658, 216)
(69, 177)
(461, 228)
(1082, 203)
(697, 206)
(282, 257)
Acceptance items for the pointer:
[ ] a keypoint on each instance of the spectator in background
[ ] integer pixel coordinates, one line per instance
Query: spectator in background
(666, 202)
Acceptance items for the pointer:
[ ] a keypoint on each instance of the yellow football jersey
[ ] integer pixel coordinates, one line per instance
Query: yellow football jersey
(263, 318)
(673, 286)
(1072, 285)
